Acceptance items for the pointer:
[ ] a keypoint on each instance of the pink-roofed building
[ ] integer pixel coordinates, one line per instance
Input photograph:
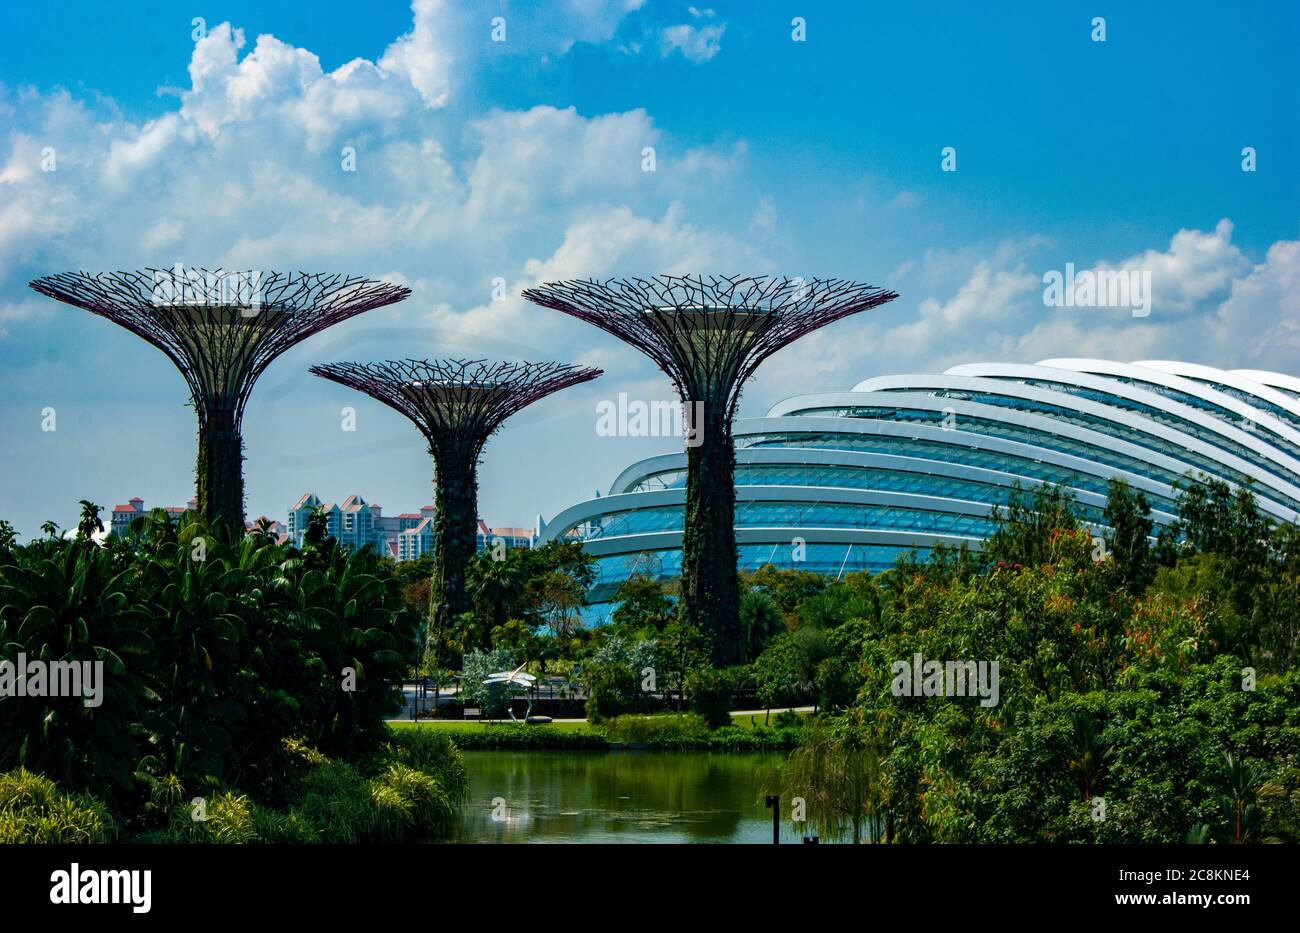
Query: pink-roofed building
(134, 508)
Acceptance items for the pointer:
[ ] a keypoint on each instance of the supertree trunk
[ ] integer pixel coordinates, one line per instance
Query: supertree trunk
(709, 334)
(219, 472)
(710, 587)
(457, 405)
(455, 541)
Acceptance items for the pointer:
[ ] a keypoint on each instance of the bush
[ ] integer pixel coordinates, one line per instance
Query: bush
(228, 819)
(478, 737)
(433, 752)
(711, 693)
(657, 729)
(688, 731)
(33, 809)
(408, 802)
(611, 691)
(786, 719)
(208, 665)
(493, 699)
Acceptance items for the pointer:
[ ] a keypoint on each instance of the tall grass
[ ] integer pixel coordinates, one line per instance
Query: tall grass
(33, 809)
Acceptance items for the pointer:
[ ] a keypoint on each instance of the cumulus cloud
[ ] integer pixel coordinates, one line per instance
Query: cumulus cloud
(249, 170)
(697, 42)
(1210, 304)
(419, 57)
(1259, 323)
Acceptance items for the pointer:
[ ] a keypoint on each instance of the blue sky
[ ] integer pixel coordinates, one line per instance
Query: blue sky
(521, 160)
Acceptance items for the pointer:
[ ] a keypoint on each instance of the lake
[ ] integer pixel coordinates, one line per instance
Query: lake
(624, 796)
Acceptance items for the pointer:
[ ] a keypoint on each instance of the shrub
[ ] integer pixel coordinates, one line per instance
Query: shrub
(337, 804)
(227, 819)
(689, 731)
(657, 729)
(34, 810)
(434, 753)
(711, 693)
(611, 690)
(477, 737)
(408, 802)
(786, 719)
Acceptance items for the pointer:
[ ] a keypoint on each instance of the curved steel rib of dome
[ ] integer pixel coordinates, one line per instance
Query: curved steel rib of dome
(849, 481)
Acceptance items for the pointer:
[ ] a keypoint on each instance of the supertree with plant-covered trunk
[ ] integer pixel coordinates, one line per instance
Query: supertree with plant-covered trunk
(709, 334)
(221, 329)
(457, 405)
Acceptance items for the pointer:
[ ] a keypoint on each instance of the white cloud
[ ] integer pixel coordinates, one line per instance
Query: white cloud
(696, 43)
(1210, 305)
(1197, 266)
(420, 57)
(763, 223)
(544, 156)
(1259, 324)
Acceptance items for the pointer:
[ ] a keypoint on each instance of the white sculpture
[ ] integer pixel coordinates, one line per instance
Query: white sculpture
(511, 679)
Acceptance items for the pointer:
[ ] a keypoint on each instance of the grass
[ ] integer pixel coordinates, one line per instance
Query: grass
(749, 720)
(666, 730)
(459, 725)
(744, 720)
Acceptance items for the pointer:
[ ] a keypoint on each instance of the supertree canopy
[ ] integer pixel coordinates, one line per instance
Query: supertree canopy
(709, 334)
(221, 329)
(457, 405)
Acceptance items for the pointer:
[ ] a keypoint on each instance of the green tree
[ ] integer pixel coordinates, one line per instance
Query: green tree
(497, 586)
(760, 622)
(1128, 516)
(90, 523)
(1239, 789)
(838, 776)
(642, 605)
(1028, 528)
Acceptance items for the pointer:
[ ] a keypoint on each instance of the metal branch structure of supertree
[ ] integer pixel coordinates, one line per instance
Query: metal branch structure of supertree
(709, 334)
(222, 329)
(457, 405)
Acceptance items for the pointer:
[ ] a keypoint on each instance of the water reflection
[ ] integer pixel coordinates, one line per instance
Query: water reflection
(620, 797)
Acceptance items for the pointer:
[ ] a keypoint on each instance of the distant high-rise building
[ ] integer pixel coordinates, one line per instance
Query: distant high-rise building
(406, 536)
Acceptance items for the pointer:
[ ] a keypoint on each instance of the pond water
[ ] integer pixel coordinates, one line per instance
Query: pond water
(623, 796)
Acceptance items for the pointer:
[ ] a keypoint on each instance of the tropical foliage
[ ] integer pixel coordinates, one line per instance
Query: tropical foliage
(217, 656)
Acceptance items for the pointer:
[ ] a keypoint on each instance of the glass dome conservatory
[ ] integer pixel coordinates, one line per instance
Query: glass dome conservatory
(848, 481)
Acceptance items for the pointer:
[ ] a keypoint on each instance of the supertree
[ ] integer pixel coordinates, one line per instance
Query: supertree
(222, 329)
(709, 334)
(457, 405)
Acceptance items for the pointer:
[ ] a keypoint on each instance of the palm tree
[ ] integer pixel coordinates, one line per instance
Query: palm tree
(497, 585)
(760, 622)
(263, 529)
(90, 523)
(1088, 752)
(50, 528)
(1240, 786)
